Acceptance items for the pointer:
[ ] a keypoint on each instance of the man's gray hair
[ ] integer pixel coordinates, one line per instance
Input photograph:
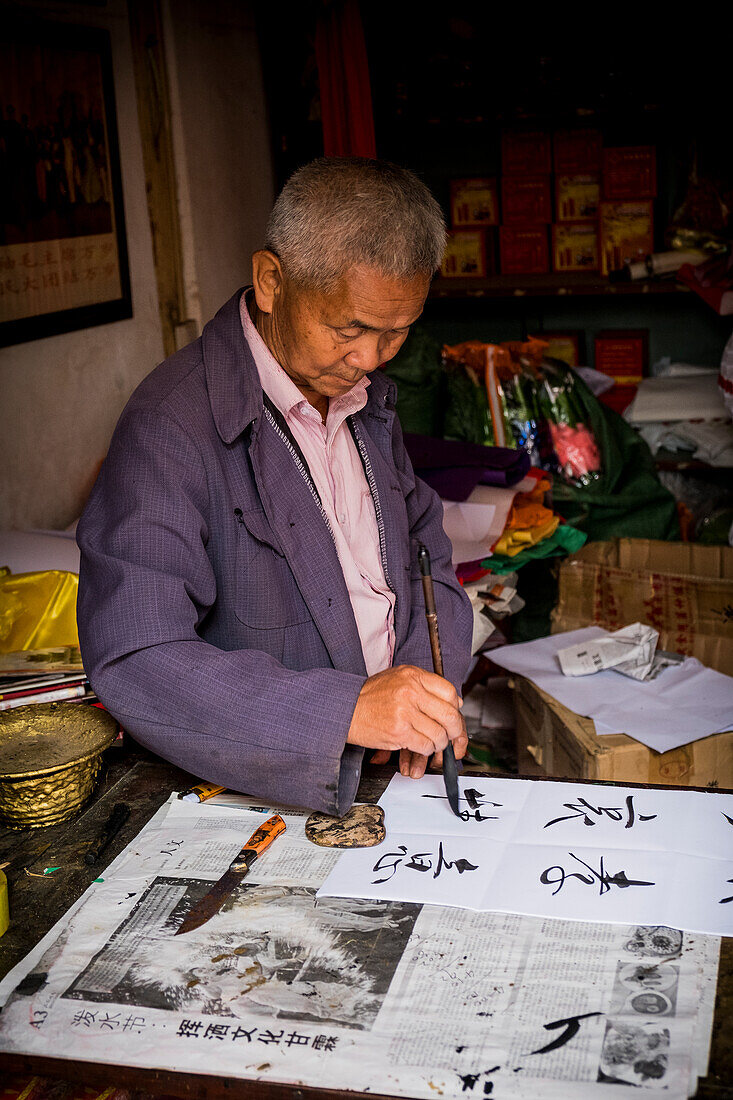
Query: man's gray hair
(338, 212)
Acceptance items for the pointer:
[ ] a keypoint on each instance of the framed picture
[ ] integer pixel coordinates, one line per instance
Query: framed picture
(63, 253)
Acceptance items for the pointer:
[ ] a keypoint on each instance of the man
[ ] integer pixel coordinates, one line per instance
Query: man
(250, 604)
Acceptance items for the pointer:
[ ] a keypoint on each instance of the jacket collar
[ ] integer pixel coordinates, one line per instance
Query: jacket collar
(232, 381)
(235, 393)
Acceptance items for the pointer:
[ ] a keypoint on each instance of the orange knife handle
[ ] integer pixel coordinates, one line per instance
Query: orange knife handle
(260, 840)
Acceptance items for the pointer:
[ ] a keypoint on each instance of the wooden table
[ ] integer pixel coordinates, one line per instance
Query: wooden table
(144, 782)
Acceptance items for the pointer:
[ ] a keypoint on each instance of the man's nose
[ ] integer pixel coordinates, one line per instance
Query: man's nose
(365, 356)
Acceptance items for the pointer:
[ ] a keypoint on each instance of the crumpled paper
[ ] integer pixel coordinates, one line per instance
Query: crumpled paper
(631, 650)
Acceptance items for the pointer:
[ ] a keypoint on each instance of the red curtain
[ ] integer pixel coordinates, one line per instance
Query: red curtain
(346, 98)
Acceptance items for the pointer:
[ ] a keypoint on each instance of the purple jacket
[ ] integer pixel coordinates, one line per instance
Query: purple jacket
(214, 619)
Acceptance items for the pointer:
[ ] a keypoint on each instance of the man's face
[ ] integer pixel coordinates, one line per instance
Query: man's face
(326, 342)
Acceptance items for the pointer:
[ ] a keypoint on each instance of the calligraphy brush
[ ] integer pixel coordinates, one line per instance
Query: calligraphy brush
(450, 768)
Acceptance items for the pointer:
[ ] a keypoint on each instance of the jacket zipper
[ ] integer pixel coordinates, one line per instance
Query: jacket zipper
(367, 464)
(303, 472)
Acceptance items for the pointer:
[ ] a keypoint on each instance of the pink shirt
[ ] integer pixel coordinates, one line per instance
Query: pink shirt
(339, 477)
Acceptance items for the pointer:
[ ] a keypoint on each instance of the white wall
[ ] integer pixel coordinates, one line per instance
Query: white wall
(222, 145)
(61, 396)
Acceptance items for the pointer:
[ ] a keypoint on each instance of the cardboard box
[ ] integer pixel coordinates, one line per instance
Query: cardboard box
(683, 589)
(577, 197)
(525, 152)
(465, 255)
(623, 354)
(526, 200)
(552, 740)
(474, 202)
(524, 251)
(627, 233)
(630, 172)
(575, 246)
(577, 151)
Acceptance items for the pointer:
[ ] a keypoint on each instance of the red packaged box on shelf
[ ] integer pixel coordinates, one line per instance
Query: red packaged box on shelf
(465, 255)
(577, 197)
(577, 151)
(575, 246)
(526, 200)
(623, 354)
(524, 251)
(630, 172)
(627, 233)
(474, 202)
(525, 152)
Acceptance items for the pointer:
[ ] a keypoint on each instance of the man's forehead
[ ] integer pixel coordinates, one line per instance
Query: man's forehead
(368, 300)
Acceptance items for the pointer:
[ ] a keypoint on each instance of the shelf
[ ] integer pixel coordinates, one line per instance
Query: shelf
(548, 286)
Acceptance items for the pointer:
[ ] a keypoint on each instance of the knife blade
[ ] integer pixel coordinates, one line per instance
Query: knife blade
(212, 902)
(450, 767)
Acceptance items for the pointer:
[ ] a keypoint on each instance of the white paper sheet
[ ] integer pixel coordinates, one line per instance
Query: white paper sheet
(683, 704)
(474, 525)
(576, 851)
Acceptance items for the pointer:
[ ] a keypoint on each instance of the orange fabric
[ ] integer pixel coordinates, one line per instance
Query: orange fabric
(528, 522)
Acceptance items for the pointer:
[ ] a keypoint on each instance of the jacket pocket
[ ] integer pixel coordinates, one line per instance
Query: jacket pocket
(267, 596)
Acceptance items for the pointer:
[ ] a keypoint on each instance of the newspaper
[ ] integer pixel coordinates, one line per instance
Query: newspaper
(389, 997)
(631, 651)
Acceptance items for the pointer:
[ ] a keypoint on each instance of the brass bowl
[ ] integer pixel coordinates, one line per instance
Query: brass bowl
(50, 756)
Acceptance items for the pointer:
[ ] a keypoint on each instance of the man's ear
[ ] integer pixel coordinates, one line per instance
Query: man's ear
(267, 279)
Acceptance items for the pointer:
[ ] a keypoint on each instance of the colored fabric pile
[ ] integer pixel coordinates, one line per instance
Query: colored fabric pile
(565, 540)
(529, 522)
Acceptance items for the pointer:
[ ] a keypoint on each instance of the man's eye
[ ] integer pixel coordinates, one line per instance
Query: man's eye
(348, 334)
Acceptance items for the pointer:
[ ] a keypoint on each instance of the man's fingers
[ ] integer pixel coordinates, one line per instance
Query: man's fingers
(381, 756)
(413, 764)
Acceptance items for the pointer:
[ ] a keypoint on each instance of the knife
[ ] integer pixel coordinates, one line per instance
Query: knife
(212, 902)
(450, 768)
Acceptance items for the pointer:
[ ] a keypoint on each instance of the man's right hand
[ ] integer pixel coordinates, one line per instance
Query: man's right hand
(410, 709)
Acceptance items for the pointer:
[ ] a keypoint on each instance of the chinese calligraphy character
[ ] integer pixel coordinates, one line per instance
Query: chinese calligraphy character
(270, 1037)
(421, 861)
(134, 1023)
(572, 1027)
(600, 876)
(189, 1029)
(171, 847)
(724, 901)
(109, 1022)
(84, 1017)
(583, 809)
(294, 1039)
(216, 1031)
(475, 802)
(238, 1032)
(325, 1042)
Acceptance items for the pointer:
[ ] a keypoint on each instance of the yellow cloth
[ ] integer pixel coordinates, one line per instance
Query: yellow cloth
(38, 610)
(517, 539)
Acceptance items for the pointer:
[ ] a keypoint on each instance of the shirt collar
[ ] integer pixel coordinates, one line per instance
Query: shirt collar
(279, 387)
